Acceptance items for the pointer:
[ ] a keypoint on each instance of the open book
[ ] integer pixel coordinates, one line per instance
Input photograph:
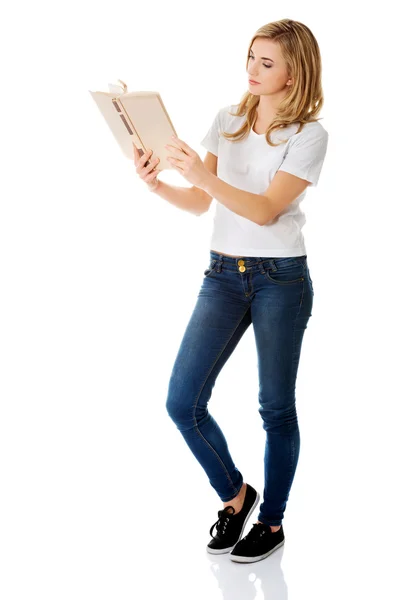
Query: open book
(138, 117)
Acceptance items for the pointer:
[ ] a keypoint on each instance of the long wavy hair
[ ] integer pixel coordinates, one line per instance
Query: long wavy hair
(304, 100)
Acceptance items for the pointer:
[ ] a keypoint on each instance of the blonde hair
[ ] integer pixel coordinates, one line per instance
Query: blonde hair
(304, 100)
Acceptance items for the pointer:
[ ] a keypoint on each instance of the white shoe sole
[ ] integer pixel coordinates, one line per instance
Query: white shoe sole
(248, 559)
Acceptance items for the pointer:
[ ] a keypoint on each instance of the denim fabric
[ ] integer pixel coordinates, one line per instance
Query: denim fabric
(276, 296)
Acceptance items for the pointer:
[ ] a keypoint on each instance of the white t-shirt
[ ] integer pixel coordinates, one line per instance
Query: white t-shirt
(250, 165)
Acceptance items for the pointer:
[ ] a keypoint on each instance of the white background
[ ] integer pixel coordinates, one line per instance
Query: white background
(100, 496)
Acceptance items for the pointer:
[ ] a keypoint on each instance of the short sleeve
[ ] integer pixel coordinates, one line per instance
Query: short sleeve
(306, 154)
(211, 141)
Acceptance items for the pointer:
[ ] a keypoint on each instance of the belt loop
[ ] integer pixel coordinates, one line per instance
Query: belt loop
(271, 264)
(219, 263)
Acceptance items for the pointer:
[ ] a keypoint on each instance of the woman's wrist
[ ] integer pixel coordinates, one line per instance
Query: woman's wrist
(155, 188)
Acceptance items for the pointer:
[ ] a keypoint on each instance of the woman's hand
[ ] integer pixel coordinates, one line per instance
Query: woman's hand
(147, 174)
(187, 162)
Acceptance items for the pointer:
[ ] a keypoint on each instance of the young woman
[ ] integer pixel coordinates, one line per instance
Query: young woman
(263, 153)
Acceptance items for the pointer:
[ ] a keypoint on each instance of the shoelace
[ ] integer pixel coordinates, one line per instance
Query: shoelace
(224, 516)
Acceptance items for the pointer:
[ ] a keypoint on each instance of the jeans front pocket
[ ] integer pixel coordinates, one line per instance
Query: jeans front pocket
(210, 267)
(287, 271)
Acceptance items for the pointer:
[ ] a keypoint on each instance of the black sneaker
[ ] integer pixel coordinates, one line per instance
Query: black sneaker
(259, 543)
(230, 526)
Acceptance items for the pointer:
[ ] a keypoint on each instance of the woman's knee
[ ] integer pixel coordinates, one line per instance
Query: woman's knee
(179, 408)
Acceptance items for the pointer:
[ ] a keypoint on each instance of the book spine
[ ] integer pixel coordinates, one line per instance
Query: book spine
(128, 123)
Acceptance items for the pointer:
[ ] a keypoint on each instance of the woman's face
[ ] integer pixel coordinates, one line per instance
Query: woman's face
(270, 72)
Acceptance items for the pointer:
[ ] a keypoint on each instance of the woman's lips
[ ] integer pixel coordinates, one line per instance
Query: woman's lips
(253, 82)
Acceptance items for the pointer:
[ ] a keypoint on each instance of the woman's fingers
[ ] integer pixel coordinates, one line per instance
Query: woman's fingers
(149, 172)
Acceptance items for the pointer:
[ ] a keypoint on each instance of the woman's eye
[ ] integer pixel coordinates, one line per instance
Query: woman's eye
(268, 66)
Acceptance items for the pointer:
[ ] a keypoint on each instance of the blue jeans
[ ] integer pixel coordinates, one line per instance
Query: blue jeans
(276, 295)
